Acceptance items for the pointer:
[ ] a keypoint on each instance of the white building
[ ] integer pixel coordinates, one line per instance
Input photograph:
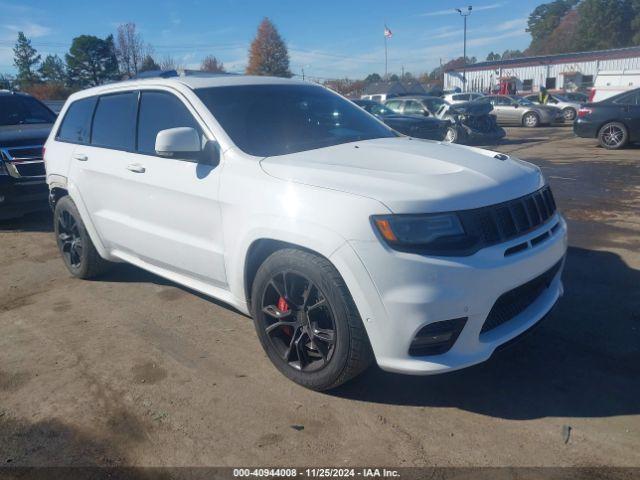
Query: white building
(568, 71)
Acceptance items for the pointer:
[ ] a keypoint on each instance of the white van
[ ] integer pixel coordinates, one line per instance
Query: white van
(612, 82)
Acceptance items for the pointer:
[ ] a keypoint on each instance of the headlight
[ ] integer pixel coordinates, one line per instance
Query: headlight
(438, 233)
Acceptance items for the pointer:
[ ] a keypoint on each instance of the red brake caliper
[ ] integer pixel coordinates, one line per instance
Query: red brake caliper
(283, 306)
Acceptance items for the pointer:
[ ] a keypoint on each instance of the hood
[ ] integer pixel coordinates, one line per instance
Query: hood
(409, 175)
(24, 135)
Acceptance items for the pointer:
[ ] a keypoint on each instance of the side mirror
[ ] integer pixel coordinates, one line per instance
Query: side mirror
(425, 112)
(178, 142)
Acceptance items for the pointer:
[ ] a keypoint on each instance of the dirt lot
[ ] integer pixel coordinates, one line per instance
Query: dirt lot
(133, 370)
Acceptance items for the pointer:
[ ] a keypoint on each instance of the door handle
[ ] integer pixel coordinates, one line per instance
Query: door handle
(136, 168)
(81, 157)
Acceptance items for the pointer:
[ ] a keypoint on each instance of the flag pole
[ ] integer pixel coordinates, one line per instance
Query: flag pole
(385, 58)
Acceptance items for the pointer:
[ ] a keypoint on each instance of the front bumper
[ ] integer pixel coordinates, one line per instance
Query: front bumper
(19, 198)
(399, 293)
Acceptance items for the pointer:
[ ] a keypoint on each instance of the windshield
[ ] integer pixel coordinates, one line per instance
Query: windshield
(19, 110)
(269, 120)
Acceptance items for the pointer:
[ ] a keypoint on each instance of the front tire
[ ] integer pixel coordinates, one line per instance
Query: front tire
(78, 252)
(452, 135)
(613, 135)
(569, 114)
(307, 321)
(531, 120)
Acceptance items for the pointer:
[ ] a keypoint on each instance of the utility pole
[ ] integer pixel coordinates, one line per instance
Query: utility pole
(464, 14)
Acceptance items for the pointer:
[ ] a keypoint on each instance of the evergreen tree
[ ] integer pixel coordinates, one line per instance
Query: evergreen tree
(92, 61)
(492, 57)
(544, 20)
(52, 69)
(604, 24)
(268, 54)
(25, 59)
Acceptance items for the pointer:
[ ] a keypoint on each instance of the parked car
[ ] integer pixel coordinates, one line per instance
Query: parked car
(513, 110)
(417, 126)
(577, 97)
(345, 241)
(569, 107)
(461, 97)
(415, 105)
(612, 82)
(24, 126)
(470, 123)
(615, 122)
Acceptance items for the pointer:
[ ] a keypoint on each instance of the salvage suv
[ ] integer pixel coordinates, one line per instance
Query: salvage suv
(344, 240)
(25, 124)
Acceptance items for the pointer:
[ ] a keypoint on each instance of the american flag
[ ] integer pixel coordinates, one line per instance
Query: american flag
(387, 32)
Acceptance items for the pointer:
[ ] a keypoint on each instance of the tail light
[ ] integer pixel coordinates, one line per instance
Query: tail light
(583, 112)
(44, 149)
(592, 94)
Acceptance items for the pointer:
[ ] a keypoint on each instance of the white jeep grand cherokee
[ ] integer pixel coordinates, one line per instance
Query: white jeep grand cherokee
(345, 241)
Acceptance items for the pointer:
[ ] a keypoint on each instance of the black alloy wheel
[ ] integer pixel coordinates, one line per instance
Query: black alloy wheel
(299, 321)
(307, 321)
(69, 239)
(78, 251)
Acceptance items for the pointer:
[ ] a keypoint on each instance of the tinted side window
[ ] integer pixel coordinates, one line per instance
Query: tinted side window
(159, 111)
(413, 107)
(114, 124)
(631, 99)
(393, 105)
(76, 124)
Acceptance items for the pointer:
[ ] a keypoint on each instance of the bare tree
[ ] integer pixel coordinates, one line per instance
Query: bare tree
(170, 63)
(212, 64)
(129, 49)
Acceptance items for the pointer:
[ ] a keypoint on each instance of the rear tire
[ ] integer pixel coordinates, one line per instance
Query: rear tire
(78, 252)
(531, 120)
(613, 135)
(307, 321)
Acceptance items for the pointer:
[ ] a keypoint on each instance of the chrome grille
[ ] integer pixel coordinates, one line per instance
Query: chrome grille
(24, 162)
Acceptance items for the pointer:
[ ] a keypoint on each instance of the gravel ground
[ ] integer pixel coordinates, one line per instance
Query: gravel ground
(131, 369)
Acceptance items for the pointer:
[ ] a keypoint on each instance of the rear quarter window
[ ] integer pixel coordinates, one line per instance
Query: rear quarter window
(76, 124)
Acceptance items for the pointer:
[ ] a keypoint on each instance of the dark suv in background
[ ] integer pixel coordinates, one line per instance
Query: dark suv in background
(24, 127)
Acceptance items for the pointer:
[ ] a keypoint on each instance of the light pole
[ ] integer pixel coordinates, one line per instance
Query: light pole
(464, 14)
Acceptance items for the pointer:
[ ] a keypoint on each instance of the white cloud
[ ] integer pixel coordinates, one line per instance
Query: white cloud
(30, 29)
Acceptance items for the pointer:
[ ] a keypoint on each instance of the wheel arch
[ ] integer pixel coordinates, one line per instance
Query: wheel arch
(259, 250)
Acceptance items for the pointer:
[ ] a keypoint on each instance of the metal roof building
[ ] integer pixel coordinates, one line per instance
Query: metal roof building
(569, 71)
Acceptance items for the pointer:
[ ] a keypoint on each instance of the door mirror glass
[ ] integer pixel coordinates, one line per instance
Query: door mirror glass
(178, 142)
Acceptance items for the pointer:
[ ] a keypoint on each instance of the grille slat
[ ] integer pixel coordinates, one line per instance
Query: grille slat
(516, 301)
(508, 220)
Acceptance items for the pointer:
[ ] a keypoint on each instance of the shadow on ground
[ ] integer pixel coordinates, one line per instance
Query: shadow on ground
(32, 222)
(583, 362)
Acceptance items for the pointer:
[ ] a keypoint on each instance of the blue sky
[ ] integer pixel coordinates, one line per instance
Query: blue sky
(328, 38)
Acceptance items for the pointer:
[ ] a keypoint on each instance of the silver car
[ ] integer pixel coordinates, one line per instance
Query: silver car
(514, 110)
(569, 107)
